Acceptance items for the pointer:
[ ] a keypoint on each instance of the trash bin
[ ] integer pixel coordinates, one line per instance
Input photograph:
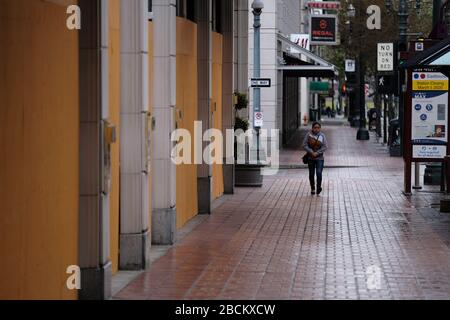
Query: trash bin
(433, 174)
(313, 114)
(394, 138)
(374, 117)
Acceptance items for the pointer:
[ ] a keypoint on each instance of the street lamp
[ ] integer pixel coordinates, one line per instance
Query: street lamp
(257, 7)
(351, 11)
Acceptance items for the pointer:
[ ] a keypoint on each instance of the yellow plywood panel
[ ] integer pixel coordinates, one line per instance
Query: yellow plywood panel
(39, 137)
(217, 50)
(187, 99)
(114, 117)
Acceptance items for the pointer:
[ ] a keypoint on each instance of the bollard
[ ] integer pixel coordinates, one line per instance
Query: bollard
(445, 203)
(417, 185)
(447, 173)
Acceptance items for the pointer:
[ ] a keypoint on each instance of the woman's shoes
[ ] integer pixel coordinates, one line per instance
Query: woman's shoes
(313, 192)
(319, 190)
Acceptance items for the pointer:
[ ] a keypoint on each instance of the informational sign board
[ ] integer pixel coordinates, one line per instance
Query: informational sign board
(385, 57)
(259, 119)
(323, 29)
(350, 65)
(429, 115)
(261, 83)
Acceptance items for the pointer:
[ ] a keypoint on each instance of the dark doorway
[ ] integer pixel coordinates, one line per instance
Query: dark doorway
(291, 98)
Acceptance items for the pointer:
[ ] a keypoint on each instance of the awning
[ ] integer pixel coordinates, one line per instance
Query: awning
(430, 56)
(315, 67)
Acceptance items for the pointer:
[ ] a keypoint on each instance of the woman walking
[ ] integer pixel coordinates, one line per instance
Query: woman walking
(315, 143)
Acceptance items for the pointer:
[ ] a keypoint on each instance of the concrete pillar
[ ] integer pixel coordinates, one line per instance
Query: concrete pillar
(241, 28)
(134, 166)
(204, 175)
(228, 89)
(164, 176)
(94, 172)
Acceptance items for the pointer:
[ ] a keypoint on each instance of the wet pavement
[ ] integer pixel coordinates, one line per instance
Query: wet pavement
(361, 239)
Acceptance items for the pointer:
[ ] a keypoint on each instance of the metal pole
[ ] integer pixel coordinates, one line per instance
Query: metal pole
(437, 4)
(257, 74)
(417, 176)
(363, 133)
(385, 114)
(403, 14)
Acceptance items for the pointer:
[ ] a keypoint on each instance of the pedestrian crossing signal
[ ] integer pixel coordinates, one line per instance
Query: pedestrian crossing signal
(386, 84)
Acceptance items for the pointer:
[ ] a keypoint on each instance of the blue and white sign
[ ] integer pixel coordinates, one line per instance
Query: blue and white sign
(429, 152)
(429, 124)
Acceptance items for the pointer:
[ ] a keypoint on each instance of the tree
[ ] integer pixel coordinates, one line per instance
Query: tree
(356, 37)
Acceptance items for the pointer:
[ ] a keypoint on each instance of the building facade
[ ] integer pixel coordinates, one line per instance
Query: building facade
(290, 65)
(86, 121)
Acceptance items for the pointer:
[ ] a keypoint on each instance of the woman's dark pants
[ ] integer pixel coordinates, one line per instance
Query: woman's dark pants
(315, 167)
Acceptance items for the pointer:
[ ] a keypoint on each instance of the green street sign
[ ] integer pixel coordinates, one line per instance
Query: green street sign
(320, 87)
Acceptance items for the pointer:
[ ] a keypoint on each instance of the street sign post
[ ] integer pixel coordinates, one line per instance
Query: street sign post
(261, 82)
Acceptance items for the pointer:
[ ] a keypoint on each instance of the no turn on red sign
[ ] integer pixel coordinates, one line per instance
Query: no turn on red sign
(259, 119)
(385, 61)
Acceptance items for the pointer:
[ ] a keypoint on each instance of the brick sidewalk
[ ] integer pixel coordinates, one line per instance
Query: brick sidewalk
(278, 242)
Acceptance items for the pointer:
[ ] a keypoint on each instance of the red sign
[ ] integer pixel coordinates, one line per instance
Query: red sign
(324, 5)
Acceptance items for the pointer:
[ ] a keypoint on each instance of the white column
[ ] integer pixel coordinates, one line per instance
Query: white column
(164, 175)
(94, 248)
(134, 178)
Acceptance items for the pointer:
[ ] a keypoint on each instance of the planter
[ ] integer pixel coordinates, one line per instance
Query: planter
(248, 175)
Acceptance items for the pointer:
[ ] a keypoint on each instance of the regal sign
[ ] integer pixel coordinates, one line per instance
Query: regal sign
(323, 29)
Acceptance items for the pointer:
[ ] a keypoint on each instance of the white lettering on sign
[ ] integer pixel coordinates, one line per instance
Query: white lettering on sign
(429, 152)
(385, 57)
(335, 5)
(260, 82)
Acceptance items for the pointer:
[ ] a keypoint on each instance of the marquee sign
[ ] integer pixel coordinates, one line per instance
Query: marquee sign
(329, 5)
